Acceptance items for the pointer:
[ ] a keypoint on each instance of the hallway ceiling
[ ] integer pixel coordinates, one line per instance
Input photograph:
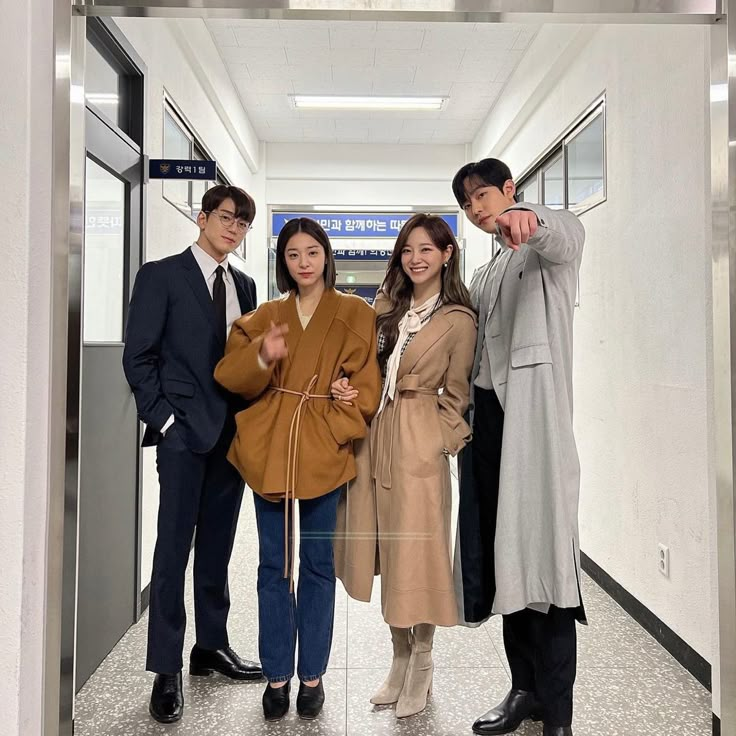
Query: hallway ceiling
(269, 60)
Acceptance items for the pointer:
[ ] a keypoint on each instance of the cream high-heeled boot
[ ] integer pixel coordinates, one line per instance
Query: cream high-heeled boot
(391, 689)
(418, 682)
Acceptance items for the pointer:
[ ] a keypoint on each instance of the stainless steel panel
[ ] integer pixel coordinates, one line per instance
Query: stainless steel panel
(470, 11)
(66, 286)
(723, 191)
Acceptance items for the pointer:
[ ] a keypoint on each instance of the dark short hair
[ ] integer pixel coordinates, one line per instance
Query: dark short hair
(284, 281)
(245, 207)
(489, 172)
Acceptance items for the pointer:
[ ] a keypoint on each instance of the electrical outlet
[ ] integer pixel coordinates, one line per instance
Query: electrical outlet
(664, 560)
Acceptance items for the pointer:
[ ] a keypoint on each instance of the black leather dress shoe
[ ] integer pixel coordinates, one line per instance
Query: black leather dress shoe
(509, 714)
(167, 700)
(203, 662)
(310, 700)
(557, 730)
(276, 702)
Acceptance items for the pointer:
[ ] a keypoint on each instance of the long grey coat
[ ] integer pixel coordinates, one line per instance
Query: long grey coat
(529, 306)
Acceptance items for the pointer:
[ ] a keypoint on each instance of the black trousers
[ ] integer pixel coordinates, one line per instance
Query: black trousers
(541, 648)
(542, 652)
(201, 492)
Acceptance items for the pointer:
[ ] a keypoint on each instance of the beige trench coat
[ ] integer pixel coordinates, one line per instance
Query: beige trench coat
(394, 518)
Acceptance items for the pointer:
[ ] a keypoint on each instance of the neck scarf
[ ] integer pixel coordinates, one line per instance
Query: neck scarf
(410, 324)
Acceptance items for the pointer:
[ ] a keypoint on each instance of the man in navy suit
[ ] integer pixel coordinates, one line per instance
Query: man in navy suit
(180, 314)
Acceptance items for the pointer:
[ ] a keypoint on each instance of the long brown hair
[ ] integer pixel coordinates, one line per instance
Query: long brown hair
(398, 288)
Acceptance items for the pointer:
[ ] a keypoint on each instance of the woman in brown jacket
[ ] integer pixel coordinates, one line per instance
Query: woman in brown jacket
(295, 442)
(398, 508)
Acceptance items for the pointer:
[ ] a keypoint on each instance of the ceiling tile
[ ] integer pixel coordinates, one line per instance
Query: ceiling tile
(306, 37)
(258, 38)
(312, 56)
(395, 58)
(448, 36)
(352, 57)
(275, 59)
(362, 26)
(525, 38)
(308, 75)
(263, 85)
(439, 81)
(492, 35)
(224, 37)
(398, 39)
(238, 71)
(407, 114)
(390, 76)
(268, 71)
(352, 38)
(263, 56)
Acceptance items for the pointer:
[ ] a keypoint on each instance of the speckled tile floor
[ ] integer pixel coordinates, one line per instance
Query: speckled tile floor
(627, 685)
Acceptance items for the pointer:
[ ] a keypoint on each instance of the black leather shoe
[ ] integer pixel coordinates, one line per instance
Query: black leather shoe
(557, 730)
(276, 702)
(509, 714)
(167, 700)
(203, 662)
(310, 700)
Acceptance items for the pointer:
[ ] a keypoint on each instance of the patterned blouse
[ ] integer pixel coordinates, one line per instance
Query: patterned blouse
(381, 340)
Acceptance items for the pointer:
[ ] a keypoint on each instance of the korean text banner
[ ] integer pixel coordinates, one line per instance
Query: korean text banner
(356, 224)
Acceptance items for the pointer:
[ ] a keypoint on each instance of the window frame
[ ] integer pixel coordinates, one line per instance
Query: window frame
(196, 145)
(559, 148)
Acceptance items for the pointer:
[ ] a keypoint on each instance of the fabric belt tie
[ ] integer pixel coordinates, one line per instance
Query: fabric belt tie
(291, 469)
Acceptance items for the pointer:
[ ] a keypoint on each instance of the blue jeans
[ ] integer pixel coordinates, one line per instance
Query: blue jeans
(309, 616)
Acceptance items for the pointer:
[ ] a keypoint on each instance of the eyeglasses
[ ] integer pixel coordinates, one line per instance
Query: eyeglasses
(227, 220)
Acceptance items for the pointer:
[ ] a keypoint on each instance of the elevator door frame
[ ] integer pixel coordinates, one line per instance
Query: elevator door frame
(68, 236)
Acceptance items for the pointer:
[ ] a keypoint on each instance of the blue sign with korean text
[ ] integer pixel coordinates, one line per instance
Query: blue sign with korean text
(361, 254)
(170, 168)
(357, 224)
(367, 292)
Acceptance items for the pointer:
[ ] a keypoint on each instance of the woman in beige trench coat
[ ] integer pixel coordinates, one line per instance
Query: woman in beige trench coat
(395, 516)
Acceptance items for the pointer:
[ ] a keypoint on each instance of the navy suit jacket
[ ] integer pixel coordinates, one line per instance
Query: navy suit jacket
(172, 346)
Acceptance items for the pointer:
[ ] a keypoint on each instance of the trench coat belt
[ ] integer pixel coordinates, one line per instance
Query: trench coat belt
(291, 469)
(408, 384)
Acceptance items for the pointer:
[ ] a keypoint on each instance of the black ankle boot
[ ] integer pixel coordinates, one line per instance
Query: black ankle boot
(557, 730)
(310, 700)
(167, 701)
(509, 714)
(276, 702)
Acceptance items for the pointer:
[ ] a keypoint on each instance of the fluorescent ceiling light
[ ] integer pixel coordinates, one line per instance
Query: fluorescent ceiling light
(336, 102)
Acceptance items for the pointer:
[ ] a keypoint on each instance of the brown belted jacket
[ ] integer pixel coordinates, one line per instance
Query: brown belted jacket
(292, 437)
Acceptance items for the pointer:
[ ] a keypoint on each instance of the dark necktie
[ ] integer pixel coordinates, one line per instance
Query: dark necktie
(220, 301)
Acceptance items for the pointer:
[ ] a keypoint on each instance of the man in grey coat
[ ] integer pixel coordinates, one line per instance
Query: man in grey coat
(518, 552)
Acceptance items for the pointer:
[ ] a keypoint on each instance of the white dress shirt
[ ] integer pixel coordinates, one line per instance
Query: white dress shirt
(208, 265)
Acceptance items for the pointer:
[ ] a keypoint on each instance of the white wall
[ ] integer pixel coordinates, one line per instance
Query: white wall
(642, 391)
(25, 330)
(368, 175)
(182, 60)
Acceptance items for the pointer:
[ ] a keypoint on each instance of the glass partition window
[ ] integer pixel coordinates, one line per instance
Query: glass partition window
(572, 174)
(181, 143)
(553, 184)
(104, 255)
(529, 192)
(102, 86)
(585, 165)
(177, 144)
